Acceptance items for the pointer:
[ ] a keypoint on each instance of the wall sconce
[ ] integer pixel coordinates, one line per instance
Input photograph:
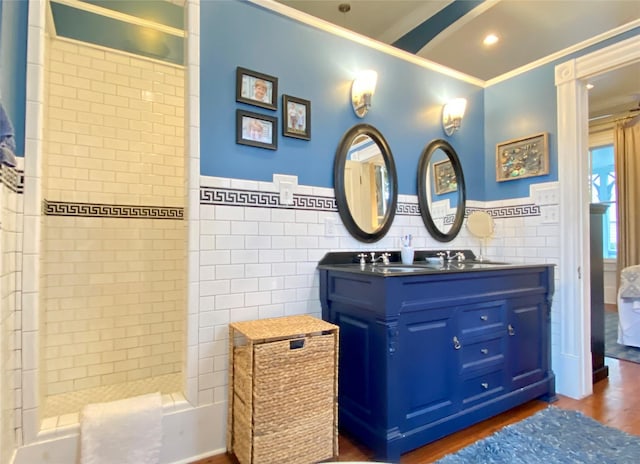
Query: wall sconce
(452, 114)
(362, 89)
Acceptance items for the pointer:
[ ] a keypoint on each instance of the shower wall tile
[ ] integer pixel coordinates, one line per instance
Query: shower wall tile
(11, 308)
(114, 298)
(114, 132)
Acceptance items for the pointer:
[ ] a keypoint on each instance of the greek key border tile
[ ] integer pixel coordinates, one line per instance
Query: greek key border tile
(407, 209)
(13, 178)
(238, 197)
(258, 199)
(505, 212)
(61, 208)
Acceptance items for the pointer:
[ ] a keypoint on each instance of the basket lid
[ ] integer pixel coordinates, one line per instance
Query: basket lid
(278, 327)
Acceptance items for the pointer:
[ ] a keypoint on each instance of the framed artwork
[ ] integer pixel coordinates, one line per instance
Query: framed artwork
(256, 88)
(444, 177)
(296, 117)
(520, 158)
(256, 130)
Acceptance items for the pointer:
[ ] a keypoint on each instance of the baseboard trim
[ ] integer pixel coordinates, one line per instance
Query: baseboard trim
(187, 435)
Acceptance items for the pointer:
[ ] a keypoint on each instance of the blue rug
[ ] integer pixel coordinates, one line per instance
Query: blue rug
(552, 436)
(611, 346)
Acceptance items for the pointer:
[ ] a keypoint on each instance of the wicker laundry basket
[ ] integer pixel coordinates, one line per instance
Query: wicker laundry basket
(283, 388)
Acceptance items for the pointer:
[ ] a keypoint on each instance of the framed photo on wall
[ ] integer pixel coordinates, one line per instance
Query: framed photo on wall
(256, 130)
(296, 117)
(444, 177)
(525, 157)
(256, 88)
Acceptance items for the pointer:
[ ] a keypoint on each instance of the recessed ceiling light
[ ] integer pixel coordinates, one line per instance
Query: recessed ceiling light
(490, 39)
(590, 86)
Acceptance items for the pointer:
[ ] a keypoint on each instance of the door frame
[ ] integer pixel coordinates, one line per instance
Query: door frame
(572, 355)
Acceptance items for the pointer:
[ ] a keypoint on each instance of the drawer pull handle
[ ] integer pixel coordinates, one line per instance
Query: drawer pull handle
(484, 351)
(511, 330)
(456, 343)
(485, 385)
(484, 317)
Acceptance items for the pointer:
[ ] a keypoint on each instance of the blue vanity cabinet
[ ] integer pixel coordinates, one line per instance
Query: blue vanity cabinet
(528, 357)
(424, 354)
(427, 397)
(483, 347)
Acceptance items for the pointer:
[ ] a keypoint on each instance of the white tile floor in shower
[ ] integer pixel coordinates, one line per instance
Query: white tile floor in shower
(73, 402)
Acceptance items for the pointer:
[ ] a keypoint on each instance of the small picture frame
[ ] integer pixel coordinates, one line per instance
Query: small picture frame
(256, 88)
(296, 117)
(525, 157)
(256, 130)
(444, 177)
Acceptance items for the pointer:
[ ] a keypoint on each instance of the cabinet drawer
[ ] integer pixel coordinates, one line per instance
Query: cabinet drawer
(478, 319)
(483, 353)
(482, 387)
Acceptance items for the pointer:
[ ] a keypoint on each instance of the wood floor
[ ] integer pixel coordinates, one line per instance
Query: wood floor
(615, 402)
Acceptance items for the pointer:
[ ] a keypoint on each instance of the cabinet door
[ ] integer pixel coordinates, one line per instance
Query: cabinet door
(427, 358)
(526, 341)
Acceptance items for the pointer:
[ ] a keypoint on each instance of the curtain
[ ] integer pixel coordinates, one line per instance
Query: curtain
(627, 166)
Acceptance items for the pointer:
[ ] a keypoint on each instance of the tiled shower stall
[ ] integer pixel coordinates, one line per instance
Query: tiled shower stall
(105, 248)
(114, 235)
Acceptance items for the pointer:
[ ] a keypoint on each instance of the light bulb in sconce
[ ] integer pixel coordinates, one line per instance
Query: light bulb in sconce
(362, 89)
(452, 114)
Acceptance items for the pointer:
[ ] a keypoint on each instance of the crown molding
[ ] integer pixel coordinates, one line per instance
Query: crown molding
(567, 51)
(363, 40)
(424, 63)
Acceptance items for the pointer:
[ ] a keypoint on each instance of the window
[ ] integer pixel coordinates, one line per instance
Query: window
(603, 190)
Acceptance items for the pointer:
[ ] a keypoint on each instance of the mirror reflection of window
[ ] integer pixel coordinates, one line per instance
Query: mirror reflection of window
(382, 192)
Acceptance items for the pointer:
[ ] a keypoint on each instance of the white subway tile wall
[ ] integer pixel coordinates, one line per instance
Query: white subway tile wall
(114, 128)
(258, 262)
(10, 309)
(113, 292)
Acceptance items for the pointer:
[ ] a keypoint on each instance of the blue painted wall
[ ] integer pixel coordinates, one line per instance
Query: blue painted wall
(319, 67)
(516, 108)
(13, 64)
(521, 106)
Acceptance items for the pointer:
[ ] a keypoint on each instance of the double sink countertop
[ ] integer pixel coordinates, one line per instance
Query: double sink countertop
(425, 262)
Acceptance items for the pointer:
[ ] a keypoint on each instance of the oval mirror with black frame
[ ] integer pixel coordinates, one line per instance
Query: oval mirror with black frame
(441, 190)
(365, 182)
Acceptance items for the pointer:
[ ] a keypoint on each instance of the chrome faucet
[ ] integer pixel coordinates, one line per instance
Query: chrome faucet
(384, 257)
(451, 256)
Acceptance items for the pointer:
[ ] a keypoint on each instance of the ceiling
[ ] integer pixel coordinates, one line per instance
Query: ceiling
(450, 33)
(447, 32)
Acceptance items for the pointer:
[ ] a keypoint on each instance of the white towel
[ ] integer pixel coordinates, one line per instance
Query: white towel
(126, 431)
